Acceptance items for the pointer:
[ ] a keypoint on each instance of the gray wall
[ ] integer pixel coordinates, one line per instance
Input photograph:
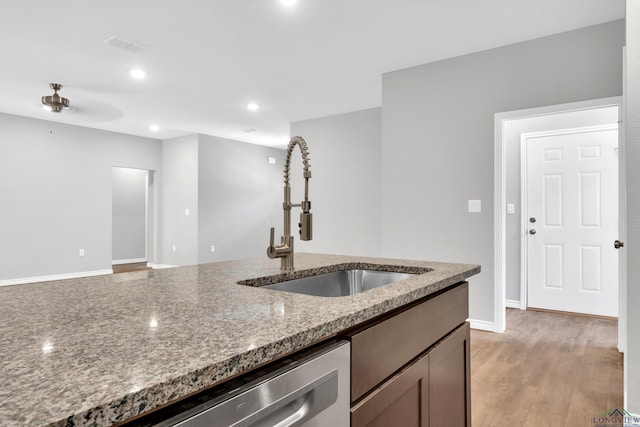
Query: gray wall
(437, 139)
(56, 194)
(239, 196)
(129, 213)
(514, 129)
(632, 357)
(345, 153)
(180, 192)
(233, 195)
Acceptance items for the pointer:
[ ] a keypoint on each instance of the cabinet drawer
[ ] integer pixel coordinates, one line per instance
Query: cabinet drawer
(383, 348)
(403, 400)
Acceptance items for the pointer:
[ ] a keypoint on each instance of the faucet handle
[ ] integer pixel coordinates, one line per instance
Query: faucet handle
(271, 250)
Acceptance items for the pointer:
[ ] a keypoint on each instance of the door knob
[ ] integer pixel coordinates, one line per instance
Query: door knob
(532, 219)
(532, 231)
(618, 244)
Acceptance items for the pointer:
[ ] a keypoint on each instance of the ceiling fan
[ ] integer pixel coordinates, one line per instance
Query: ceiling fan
(55, 102)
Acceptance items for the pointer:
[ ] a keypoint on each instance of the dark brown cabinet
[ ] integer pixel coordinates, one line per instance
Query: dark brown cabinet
(401, 401)
(412, 368)
(450, 380)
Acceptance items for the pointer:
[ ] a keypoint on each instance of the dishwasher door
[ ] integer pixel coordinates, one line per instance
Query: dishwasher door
(310, 390)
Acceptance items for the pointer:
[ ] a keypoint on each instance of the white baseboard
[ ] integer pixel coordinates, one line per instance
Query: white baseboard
(512, 303)
(157, 266)
(483, 325)
(53, 277)
(128, 261)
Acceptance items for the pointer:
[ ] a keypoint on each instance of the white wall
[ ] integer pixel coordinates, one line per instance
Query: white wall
(179, 193)
(632, 245)
(55, 191)
(239, 198)
(345, 153)
(513, 130)
(437, 139)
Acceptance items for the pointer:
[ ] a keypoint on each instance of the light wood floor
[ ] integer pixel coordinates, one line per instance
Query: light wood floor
(125, 268)
(547, 369)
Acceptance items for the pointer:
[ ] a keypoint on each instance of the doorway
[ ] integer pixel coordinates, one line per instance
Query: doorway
(130, 212)
(569, 206)
(509, 127)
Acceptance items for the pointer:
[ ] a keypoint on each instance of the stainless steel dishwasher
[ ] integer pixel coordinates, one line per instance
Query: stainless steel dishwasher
(309, 389)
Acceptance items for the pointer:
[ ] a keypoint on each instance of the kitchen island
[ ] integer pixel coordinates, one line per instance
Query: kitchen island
(100, 350)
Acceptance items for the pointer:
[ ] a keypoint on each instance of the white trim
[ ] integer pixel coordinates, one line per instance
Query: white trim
(500, 190)
(53, 277)
(128, 261)
(499, 223)
(512, 303)
(483, 325)
(160, 266)
(524, 208)
(622, 216)
(146, 215)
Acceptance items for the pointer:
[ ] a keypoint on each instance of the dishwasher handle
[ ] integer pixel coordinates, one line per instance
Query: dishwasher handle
(297, 407)
(282, 401)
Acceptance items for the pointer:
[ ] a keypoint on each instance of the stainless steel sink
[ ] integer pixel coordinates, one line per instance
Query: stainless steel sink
(339, 283)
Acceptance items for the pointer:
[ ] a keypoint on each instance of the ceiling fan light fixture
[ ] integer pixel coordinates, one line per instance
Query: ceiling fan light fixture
(55, 102)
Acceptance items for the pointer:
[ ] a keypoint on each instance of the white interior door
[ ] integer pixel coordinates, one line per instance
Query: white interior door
(571, 219)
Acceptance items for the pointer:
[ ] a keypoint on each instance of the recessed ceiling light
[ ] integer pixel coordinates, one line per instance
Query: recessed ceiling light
(154, 128)
(288, 2)
(253, 106)
(138, 74)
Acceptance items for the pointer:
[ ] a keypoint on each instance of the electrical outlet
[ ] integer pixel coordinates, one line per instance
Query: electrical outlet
(173, 248)
(186, 212)
(213, 248)
(81, 252)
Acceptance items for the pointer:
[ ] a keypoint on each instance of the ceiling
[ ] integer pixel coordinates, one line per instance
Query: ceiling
(207, 59)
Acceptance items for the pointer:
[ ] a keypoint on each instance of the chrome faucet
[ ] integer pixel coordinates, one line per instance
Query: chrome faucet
(284, 250)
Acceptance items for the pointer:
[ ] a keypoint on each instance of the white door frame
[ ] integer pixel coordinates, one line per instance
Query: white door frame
(524, 225)
(500, 193)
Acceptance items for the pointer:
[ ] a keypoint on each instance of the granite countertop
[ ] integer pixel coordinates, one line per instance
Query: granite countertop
(99, 350)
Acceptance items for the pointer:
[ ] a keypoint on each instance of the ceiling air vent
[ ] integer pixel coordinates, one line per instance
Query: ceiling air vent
(121, 43)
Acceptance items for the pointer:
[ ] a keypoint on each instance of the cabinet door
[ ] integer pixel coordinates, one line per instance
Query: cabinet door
(401, 401)
(379, 350)
(450, 381)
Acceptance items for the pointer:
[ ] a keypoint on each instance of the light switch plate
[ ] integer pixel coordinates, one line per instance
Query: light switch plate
(511, 209)
(186, 212)
(475, 206)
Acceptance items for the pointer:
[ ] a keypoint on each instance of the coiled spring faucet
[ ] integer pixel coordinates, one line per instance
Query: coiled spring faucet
(284, 250)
